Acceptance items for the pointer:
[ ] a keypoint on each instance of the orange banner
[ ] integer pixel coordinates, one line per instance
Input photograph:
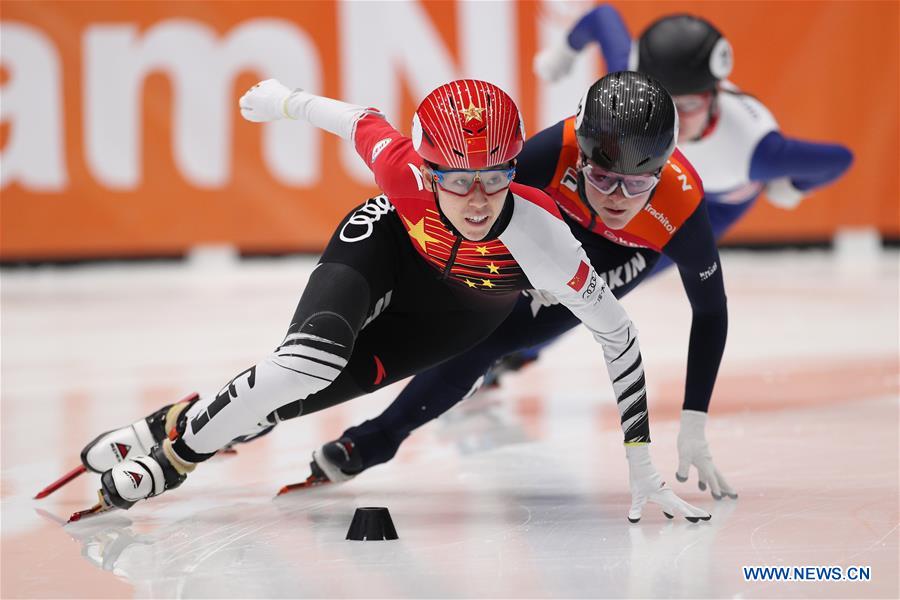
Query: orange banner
(121, 137)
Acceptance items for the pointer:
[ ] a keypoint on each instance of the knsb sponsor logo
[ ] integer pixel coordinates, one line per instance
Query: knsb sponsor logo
(622, 241)
(659, 216)
(578, 280)
(378, 148)
(704, 275)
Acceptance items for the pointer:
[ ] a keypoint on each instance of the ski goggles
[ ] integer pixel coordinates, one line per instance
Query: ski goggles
(460, 182)
(606, 182)
(692, 103)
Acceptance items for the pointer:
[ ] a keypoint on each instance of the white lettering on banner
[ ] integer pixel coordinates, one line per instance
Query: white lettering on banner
(34, 155)
(375, 60)
(201, 65)
(117, 60)
(365, 216)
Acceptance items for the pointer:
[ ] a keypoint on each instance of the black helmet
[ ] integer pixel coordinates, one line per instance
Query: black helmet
(685, 53)
(627, 123)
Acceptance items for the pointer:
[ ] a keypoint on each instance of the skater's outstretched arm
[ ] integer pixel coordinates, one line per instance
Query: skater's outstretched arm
(603, 25)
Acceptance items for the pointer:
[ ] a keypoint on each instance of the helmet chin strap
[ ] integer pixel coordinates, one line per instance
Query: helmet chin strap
(582, 193)
(712, 117)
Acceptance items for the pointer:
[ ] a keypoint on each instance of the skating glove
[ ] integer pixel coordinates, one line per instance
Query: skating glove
(266, 101)
(555, 62)
(782, 193)
(693, 450)
(647, 485)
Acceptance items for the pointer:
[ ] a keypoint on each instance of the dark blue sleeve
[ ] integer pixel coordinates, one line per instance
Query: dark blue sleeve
(536, 162)
(604, 25)
(693, 249)
(809, 165)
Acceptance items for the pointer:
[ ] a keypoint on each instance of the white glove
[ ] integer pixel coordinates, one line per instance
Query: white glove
(693, 450)
(646, 484)
(782, 193)
(266, 101)
(554, 62)
(540, 298)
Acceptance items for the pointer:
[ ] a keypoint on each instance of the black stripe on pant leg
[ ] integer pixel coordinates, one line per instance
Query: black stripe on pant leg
(625, 350)
(320, 361)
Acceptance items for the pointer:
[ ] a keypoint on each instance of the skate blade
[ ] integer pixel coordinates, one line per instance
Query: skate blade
(102, 506)
(311, 482)
(61, 482)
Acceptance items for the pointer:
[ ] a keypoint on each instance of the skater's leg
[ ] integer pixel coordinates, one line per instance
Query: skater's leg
(435, 391)
(316, 349)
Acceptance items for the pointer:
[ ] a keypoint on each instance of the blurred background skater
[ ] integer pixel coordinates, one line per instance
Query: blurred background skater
(729, 136)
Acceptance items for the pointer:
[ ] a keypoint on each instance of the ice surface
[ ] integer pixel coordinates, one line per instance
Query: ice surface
(518, 492)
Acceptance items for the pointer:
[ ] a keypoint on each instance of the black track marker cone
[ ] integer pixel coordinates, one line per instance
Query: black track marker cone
(372, 523)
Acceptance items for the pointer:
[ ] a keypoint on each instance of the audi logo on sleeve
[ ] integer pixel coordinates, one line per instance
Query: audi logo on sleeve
(361, 223)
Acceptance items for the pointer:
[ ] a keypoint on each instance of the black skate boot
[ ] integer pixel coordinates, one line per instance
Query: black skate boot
(508, 364)
(334, 462)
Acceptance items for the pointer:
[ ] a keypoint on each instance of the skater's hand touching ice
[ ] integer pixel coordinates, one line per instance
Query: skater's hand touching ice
(266, 101)
(693, 450)
(648, 486)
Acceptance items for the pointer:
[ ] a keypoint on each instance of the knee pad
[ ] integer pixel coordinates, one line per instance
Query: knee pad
(318, 349)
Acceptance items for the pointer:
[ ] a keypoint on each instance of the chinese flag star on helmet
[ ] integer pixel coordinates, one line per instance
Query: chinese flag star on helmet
(468, 124)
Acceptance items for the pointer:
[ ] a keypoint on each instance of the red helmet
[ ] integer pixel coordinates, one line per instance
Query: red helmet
(468, 124)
